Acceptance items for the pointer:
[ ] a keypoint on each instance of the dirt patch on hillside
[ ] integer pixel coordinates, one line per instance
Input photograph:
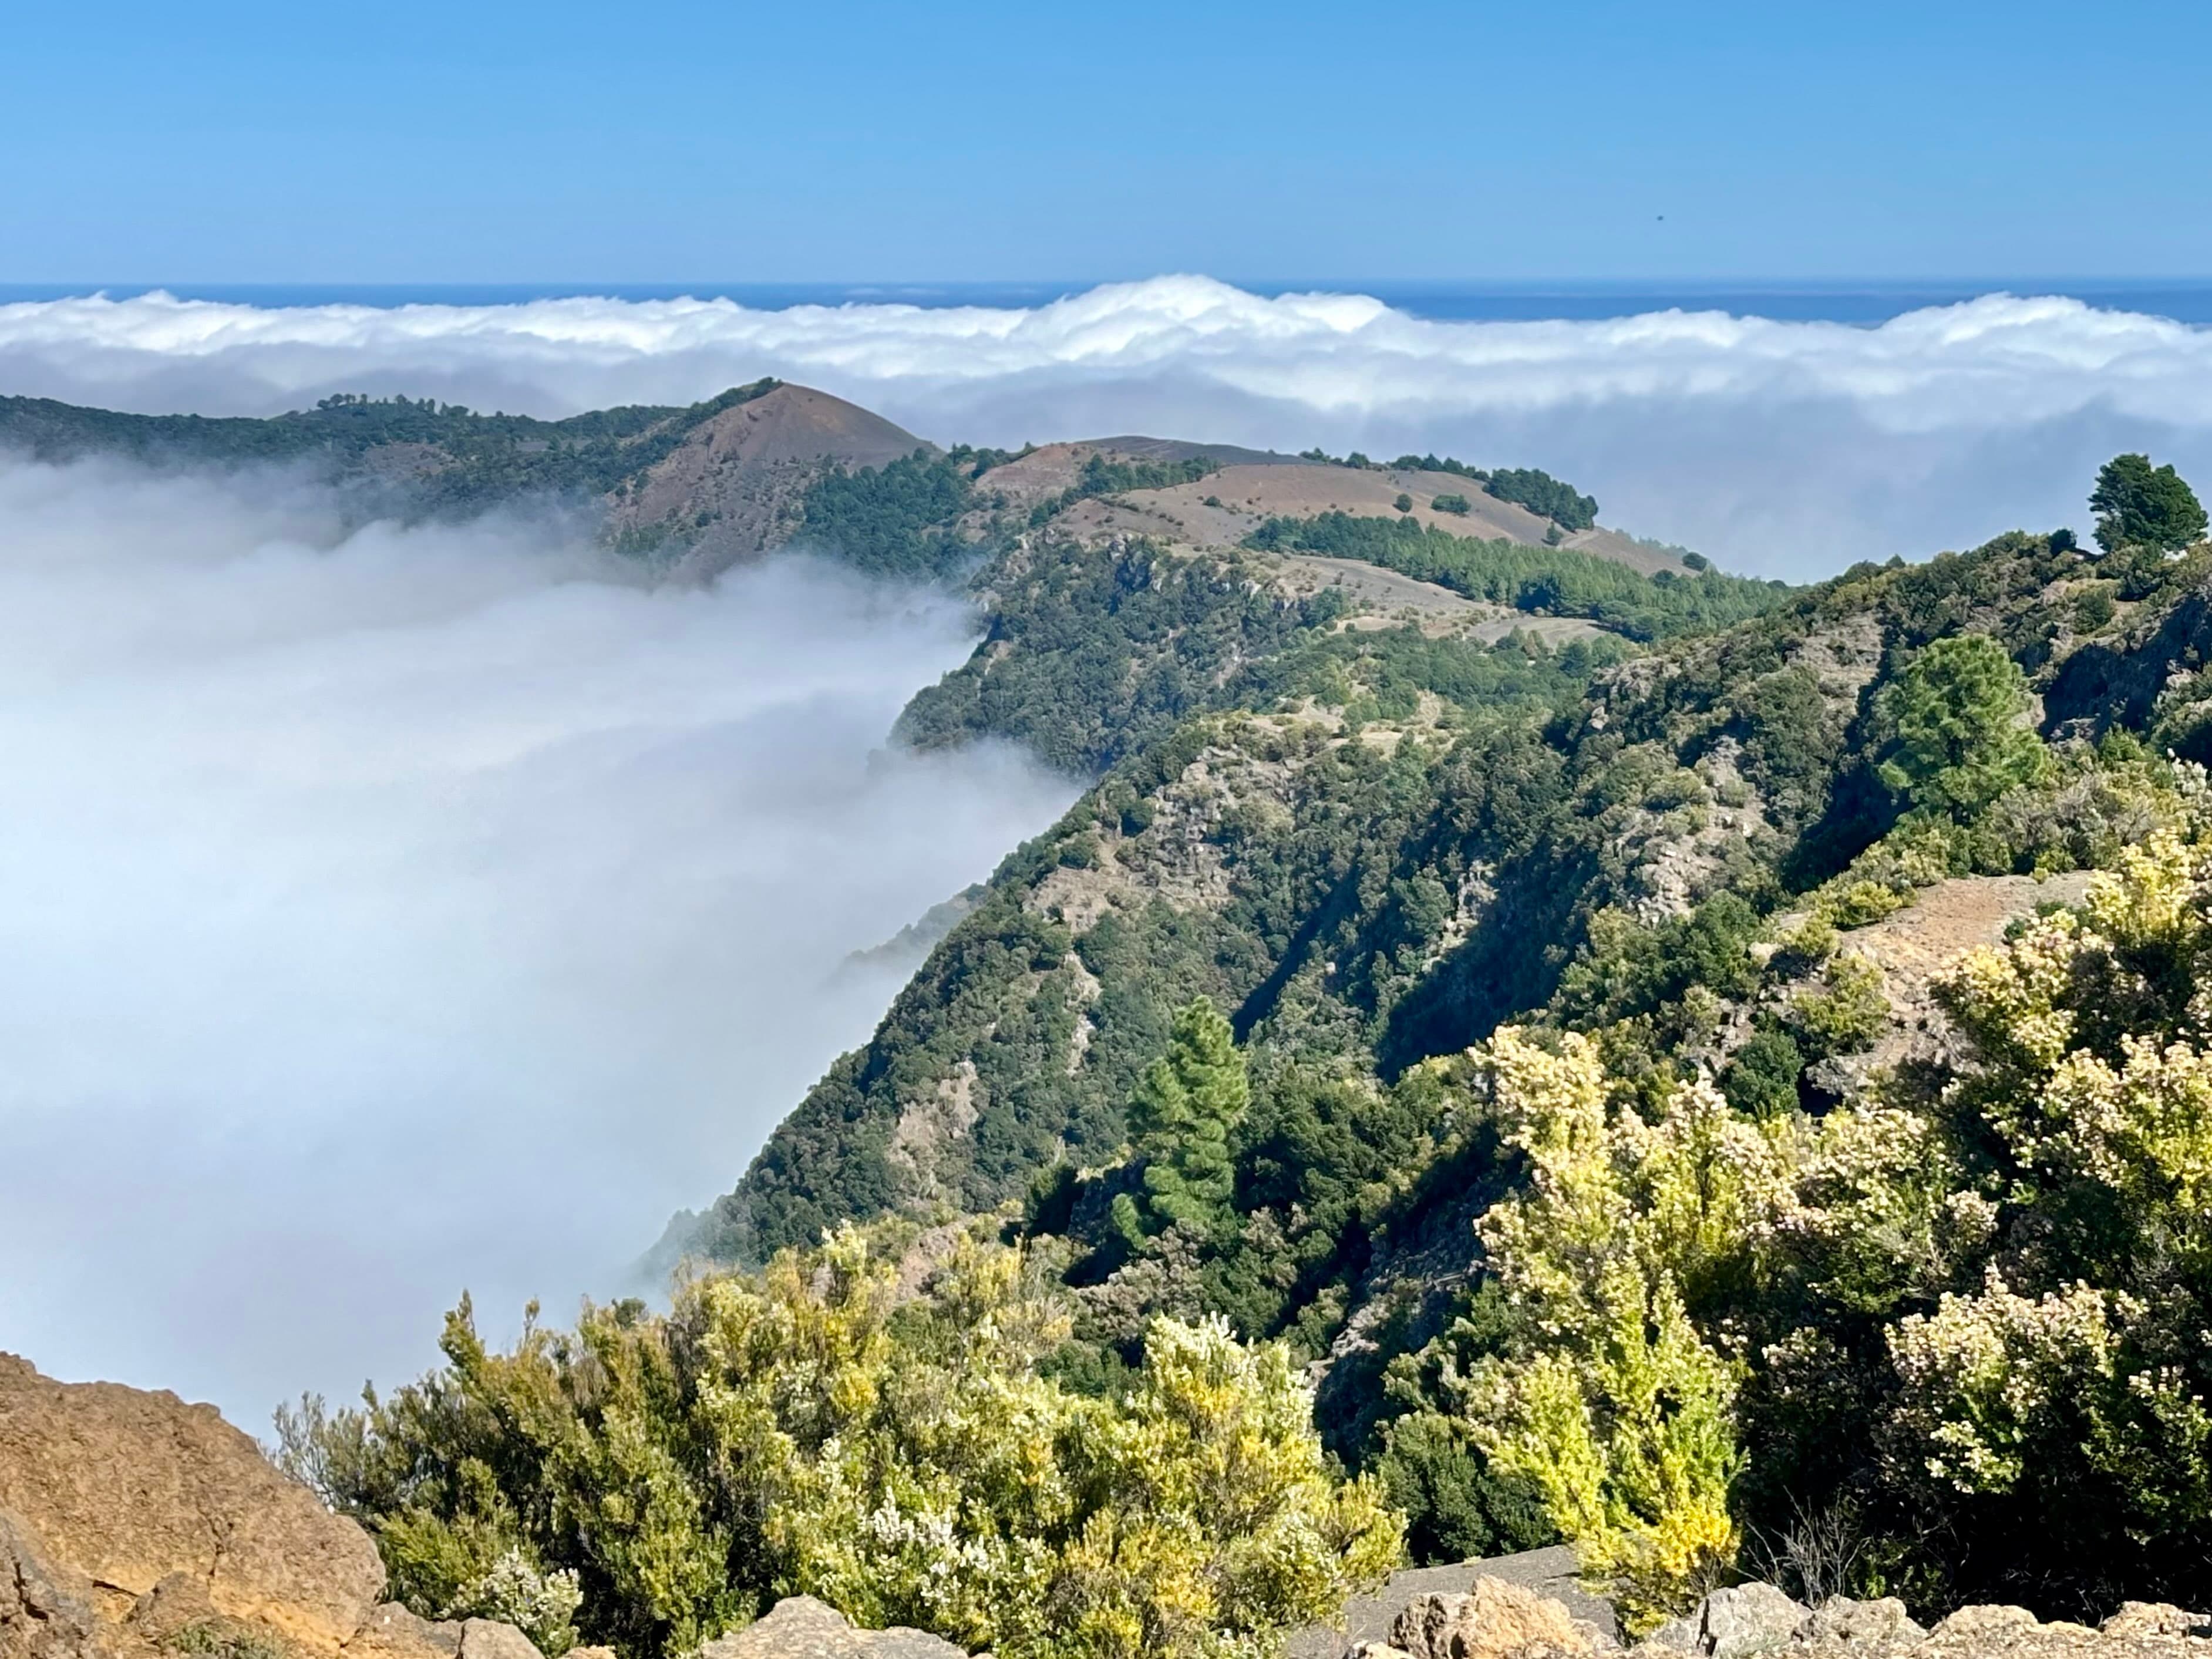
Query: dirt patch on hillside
(1224, 507)
(1949, 919)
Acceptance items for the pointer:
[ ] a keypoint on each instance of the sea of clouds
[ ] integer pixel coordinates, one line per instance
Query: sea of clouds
(385, 913)
(1785, 448)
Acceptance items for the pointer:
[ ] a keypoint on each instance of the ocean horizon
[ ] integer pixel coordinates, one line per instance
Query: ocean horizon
(1868, 302)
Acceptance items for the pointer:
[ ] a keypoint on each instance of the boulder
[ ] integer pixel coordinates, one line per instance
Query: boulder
(1733, 1623)
(2140, 1619)
(1860, 1626)
(1554, 1572)
(1494, 1619)
(127, 1487)
(1992, 1621)
(800, 1627)
(390, 1631)
(46, 1611)
(132, 1524)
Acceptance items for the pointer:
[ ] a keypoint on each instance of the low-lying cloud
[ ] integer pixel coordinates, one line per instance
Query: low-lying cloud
(1788, 448)
(393, 912)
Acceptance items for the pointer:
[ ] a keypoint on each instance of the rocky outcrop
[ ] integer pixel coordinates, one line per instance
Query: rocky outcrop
(1733, 1624)
(1552, 1574)
(133, 1524)
(1493, 1619)
(800, 1627)
(1759, 1618)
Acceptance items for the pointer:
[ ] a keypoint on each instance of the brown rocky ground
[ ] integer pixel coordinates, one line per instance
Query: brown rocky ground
(1224, 507)
(1505, 1612)
(134, 1526)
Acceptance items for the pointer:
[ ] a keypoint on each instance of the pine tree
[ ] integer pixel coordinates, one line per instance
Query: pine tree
(1180, 1119)
(2140, 505)
(1958, 710)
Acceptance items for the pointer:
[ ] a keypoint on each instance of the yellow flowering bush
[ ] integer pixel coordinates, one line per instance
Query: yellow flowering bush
(1611, 1405)
(821, 1427)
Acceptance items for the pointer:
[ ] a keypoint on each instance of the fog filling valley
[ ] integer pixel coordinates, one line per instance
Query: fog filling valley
(396, 912)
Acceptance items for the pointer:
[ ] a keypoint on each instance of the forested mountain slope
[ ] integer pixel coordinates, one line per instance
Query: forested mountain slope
(1379, 845)
(703, 485)
(1509, 1047)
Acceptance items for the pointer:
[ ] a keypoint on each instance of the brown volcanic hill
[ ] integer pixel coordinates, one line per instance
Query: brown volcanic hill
(734, 486)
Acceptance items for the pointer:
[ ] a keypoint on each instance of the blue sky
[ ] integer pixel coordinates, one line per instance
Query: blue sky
(413, 143)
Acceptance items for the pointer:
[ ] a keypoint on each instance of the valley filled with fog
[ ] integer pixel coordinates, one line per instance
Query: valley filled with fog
(393, 912)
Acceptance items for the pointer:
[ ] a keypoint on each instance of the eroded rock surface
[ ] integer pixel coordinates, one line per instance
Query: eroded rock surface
(135, 1525)
(800, 1627)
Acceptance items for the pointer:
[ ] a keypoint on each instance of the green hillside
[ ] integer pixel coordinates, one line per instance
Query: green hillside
(1505, 1049)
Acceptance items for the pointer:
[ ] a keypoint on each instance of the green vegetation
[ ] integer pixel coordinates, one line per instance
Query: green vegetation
(1540, 492)
(1181, 1118)
(457, 462)
(2142, 506)
(1959, 710)
(896, 519)
(1093, 652)
(1432, 463)
(816, 1429)
(1502, 1032)
(1560, 582)
(1637, 881)
(1455, 504)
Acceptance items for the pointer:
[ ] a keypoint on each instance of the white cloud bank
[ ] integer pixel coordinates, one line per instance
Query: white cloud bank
(393, 913)
(1786, 448)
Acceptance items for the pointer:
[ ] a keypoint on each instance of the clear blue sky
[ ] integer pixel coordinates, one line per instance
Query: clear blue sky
(405, 141)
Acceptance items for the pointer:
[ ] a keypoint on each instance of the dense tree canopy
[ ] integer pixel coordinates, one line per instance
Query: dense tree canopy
(2140, 505)
(1958, 711)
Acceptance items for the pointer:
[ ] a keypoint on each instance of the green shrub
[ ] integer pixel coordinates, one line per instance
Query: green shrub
(811, 1430)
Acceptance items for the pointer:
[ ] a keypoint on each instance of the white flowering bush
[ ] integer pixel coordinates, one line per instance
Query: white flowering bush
(541, 1605)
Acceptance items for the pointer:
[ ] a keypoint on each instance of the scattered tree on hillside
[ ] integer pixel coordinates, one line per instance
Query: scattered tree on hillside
(1540, 492)
(2140, 505)
(1956, 711)
(1181, 1120)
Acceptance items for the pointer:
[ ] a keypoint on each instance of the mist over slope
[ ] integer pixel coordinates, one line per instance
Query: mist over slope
(394, 911)
(1786, 449)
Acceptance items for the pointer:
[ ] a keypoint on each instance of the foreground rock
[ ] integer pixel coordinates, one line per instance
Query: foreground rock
(132, 1524)
(1552, 1573)
(800, 1627)
(1545, 1615)
(1493, 1619)
(1734, 1623)
(1759, 1618)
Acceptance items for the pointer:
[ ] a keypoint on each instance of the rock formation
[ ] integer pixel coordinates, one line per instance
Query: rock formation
(1496, 1620)
(133, 1525)
(800, 1627)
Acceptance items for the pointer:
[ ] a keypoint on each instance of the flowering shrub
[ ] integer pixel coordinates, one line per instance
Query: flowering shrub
(1968, 1308)
(816, 1429)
